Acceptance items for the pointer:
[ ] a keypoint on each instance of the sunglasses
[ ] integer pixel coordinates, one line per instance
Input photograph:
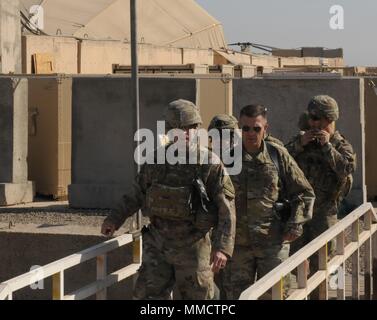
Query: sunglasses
(247, 129)
(314, 117)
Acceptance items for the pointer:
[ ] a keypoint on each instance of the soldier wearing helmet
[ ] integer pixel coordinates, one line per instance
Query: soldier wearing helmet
(177, 247)
(327, 160)
(222, 130)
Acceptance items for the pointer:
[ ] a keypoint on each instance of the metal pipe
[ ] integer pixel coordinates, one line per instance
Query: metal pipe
(135, 85)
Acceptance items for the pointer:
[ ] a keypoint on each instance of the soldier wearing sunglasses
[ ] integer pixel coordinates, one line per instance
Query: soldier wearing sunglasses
(328, 161)
(263, 235)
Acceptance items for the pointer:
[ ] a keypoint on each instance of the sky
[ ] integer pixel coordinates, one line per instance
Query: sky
(300, 23)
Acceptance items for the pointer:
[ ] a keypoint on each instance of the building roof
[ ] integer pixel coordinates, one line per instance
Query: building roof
(178, 23)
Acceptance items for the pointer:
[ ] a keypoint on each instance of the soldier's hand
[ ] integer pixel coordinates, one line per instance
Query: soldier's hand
(290, 237)
(108, 228)
(218, 261)
(308, 137)
(323, 137)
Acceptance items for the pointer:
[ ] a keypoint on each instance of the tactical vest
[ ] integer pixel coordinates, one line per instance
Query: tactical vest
(257, 190)
(171, 196)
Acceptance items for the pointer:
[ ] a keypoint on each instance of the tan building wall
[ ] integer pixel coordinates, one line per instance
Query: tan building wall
(265, 61)
(49, 158)
(63, 50)
(97, 57)
(197, 56)
(214, 97)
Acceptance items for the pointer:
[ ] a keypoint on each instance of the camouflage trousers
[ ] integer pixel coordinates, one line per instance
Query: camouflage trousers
(247, 265)
(312, 229)
(187, 268)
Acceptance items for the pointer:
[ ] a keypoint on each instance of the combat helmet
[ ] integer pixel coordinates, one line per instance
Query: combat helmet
(324, 106)
(223, 121)
(182, 114)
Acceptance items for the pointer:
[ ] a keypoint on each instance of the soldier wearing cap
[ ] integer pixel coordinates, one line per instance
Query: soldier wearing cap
(264, 232)
(176, 244)
(328, 161)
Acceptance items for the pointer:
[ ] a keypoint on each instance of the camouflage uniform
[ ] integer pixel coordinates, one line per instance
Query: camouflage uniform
(328, 169)
(259, 245)
(176, 244)
(272, 139)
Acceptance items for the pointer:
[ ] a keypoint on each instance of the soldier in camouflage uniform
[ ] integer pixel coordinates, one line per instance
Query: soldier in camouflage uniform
(263, 234)
(328, 161)
(176, 244)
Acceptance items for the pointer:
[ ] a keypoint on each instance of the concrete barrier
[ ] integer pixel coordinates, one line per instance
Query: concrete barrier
(14, 186)
(102, 133)
(287, 98)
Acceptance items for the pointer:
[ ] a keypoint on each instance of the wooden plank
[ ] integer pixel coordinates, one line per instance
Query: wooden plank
(374, 265)
(355, 262)
(315, 280)
(58, 286)
(350, 249)
(322, 265)
(43, 63)
(48, 270)
(368, 270)
(99, 285)
(137, 250)
(4, 291)
(277, 290)
(368, 258)
(101, 275)
(302, 275)
(340, 244)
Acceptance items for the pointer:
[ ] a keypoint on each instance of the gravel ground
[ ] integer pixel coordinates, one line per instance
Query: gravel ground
(53, 215)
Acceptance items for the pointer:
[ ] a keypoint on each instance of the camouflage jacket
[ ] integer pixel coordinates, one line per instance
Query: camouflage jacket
(326, 167)
(183, 232)
(257, 190)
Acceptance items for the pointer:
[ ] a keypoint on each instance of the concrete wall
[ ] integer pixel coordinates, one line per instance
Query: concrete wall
(287, 98)
(370, 141)
(10, 36)
(102, 133)
(14, 187)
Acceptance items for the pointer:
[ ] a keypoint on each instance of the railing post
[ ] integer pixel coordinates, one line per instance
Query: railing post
(355, 262)
(340, 244)
(277, 290)
(368, 257)
(302, 275)
(58, 286)
(374, 263)
(137, 251)
(322, 265)
(101, 275)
